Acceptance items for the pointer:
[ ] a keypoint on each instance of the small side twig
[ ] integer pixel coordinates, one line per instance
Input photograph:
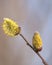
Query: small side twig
(43, 61)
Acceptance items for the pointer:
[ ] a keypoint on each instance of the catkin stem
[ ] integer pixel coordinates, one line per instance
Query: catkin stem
(43, 61)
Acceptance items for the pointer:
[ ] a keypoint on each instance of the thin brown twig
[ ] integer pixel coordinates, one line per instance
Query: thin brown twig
(43, 61)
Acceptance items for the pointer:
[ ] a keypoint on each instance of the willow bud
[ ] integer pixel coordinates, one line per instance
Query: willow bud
(37, 42)
(10, 27)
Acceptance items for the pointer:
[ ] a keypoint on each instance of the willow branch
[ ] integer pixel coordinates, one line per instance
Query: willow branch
(43, 61)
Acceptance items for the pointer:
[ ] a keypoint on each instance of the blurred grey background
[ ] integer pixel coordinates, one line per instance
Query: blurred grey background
(31, 15)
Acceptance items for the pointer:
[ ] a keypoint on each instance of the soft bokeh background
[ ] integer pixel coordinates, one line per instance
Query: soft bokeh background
(31, 15)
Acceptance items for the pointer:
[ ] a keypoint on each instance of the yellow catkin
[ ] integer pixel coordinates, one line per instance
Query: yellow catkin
(37, 41)
(10, 27)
